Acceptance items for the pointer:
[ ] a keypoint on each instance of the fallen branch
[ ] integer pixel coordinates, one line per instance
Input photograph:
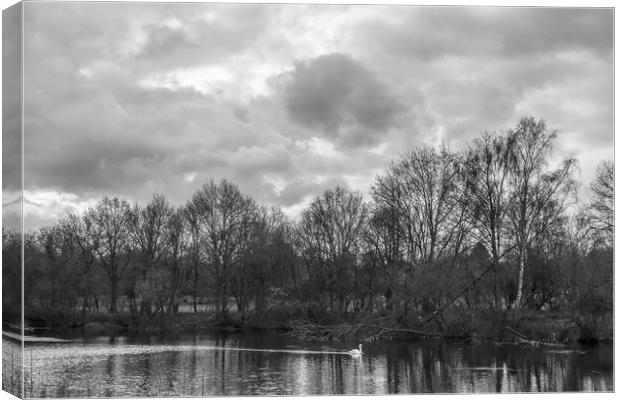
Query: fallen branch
(414, 331)
(538, 343)
(519, 338)
(369, 332)
(517, 333)
(454, 298)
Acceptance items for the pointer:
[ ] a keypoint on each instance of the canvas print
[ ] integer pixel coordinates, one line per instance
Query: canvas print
(218, 199)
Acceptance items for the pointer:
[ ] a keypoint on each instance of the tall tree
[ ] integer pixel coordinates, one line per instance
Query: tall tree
(111, 240)
(11, 274)
(148, 240)
(330, 233)
(58, 278)
(221, 211)
(603, 201)
(79, 229)
(538, 195)
(417, 217)
(191, 215)
(485, 173)
(176, 238)
(427, 180)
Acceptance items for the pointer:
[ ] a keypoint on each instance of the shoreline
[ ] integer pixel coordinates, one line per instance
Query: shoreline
(534, 328)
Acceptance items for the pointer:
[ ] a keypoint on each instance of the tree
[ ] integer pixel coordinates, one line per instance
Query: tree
(384, 239)
(249, 267)
(148, 239)
(416, 222)
(219, 212)
(603, 201)
(176, 239)
(427, 182)
(330, 233)
(485, 173)
(80, 232)
(111, 221)
(58, 280)
(191, 214)
(538, 196)
(11, 275)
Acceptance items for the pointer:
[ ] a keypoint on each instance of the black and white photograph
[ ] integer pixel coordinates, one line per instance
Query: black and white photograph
(205, 199)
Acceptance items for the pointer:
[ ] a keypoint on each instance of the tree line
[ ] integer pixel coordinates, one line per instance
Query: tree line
(442, 238)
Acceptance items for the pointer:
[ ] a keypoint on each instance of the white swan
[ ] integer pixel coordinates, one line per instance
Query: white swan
(356, 352)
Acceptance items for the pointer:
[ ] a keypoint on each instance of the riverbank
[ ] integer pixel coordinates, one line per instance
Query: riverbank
(504, 326)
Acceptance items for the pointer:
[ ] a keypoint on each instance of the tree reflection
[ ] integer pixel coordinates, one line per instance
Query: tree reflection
(206, 366)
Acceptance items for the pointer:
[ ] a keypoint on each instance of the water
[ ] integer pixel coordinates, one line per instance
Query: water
(269, 364)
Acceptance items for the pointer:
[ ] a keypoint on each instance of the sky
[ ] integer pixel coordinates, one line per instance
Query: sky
(128, 99)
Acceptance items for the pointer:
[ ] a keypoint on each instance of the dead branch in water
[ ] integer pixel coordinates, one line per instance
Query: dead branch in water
(520, 338)
(369, 332)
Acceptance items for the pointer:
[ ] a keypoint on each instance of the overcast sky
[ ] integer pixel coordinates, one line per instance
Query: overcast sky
(287, 100)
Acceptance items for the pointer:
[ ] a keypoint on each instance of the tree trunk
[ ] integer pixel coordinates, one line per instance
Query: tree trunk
(260, 301)
(222, 298)
(520, 281)
(389, 304)
(195, 283)
(113, 295)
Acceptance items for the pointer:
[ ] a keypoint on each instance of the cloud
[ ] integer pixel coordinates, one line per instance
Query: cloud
(432, 33)
(334, 94)
(211, 34)
(299, 189)
(11, 98)
(476, 67)
(287, 100)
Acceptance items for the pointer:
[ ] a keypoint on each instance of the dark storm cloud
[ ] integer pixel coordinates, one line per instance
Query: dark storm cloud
(332, 92)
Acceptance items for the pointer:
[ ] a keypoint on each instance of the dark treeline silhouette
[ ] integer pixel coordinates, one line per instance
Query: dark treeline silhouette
(447, 241)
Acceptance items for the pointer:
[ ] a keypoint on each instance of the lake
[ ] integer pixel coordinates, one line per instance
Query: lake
(271, 364)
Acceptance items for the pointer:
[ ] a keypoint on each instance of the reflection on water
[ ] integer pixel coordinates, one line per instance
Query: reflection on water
(246, 364)
(12, 367)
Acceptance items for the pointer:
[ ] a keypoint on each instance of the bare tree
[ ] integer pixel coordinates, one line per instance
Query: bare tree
(330, 233)
(417, 225)
(57, 283)
(485, 173)
(249, 266)
(79, 230)
(384, 239)
(538, 196)
(220, 211)
(427, 181)
(11, 273)
(603, 202)
(176, 238)
(111, 242)
(148, 239)
(191, 214)
(413, 222)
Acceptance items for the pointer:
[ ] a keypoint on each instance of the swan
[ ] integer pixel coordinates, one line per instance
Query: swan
(356, 352)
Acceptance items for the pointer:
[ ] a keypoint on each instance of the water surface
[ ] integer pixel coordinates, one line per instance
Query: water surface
(269, 364)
